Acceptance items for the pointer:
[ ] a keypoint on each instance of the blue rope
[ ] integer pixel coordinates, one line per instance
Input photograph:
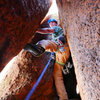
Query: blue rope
(39, 79)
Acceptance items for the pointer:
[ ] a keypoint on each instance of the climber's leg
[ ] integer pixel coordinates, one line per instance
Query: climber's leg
(58, 78)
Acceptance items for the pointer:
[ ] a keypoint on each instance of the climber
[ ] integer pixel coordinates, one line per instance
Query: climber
(57, 45)
(62, 55)
(54, 29)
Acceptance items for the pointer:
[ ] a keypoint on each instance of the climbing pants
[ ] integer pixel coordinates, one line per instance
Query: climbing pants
(58, 77)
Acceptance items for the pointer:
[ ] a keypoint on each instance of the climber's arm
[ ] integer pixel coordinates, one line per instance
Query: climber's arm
(45, 30)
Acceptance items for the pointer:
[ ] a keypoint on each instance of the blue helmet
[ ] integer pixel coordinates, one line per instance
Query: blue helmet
(51, 20)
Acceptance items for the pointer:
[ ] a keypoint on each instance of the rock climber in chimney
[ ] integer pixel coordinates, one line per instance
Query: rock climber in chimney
(59, 46)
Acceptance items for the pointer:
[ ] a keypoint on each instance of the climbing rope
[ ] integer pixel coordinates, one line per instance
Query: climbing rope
(39, 79)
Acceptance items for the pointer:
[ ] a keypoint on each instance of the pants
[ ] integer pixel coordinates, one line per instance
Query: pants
(58, 77)
(61, 57)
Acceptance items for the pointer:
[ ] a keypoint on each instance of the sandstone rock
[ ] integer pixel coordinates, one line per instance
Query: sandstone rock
(80, 20)
(19, 20)
(18, 79)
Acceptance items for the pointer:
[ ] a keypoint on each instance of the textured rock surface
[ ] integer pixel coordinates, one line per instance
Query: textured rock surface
(20, 76)
(19, 20)
(80, 20)
(18, 79)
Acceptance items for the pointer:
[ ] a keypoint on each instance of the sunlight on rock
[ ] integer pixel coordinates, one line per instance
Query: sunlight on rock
(77, 89)
(53, 12)
(6, 69)
(53, 9)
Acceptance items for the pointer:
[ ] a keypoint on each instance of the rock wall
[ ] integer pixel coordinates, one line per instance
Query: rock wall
(18, 78)
(19, 20)
(80, 20)
(20, 75)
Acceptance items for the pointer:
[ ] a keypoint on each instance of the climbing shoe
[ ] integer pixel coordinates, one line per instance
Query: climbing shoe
(36, 50)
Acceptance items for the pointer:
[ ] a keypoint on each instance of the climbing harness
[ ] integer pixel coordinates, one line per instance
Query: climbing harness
(67, 66)
(62, 50)
(60, 63)
(39, 79)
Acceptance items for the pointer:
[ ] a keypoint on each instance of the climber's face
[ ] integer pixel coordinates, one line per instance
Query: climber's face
(51, 24)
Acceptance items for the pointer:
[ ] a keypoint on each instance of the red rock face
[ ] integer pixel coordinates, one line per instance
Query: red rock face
(18, 22)
(23, 73)
(80, 20)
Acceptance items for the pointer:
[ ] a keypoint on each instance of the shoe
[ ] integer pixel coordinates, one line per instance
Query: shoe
(36, 50)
